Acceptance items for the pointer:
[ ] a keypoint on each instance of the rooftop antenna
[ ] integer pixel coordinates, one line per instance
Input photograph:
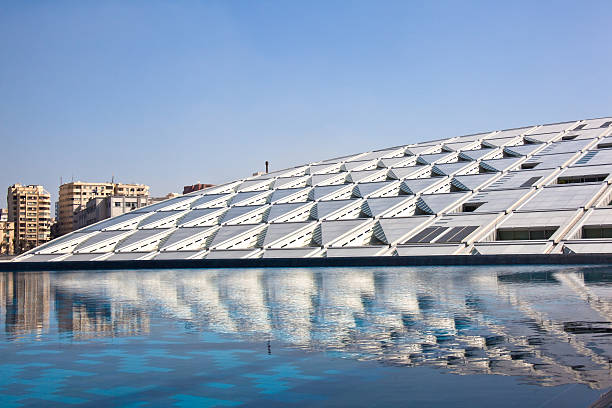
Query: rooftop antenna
(267, 166)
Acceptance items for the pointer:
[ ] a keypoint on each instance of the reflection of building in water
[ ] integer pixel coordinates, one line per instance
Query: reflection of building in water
(85, 317)
(26, 301)
(551, 326)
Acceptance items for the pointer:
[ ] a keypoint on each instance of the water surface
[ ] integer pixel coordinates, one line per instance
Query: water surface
(465, 336)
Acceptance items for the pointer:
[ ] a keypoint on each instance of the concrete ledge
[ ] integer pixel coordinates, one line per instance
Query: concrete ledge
(439, 260)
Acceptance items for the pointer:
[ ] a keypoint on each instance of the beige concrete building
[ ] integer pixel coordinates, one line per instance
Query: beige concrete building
(7, 238)
(29, 208)
(101, 208)
(74, 196)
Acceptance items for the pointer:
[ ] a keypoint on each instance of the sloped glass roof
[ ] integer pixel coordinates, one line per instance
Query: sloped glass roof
(211, 200)
(523, 150)
(532, 181)
(443, 157)
(192, 238)
(520, 179)
(278, 195)
(140, 237)
(396, 161)
(228, 232)
(472, 181)
(563, 197)
(399, 173)
(497, 200)
(360, 165)
(279, 210)
(289, 252)
(499, 164)
(162, 219)
(96, 242)
(236, 212)
(275, 232)
(328, 231)
(437, 203)
(448, 169)
(416, 186)
(200, 214)
(374, 207)
(500, 141)
(479, 154)
(321, 192)
(325, 208)
(365, 189)
(290, 182)
(327, 179)
(548, 161)
(366, 175)
(392, 230)
(240, 198)
(566, 146)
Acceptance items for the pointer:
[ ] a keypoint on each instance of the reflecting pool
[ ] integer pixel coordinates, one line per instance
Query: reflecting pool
(410, 336)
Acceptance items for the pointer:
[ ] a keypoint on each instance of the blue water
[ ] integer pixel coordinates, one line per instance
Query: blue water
(410, 337)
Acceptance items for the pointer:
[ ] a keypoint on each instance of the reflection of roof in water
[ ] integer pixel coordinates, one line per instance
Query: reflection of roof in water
(546, 324)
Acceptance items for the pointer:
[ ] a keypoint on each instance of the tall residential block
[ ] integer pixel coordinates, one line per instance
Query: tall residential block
(29, 208)
(73, 197)
(7, 238)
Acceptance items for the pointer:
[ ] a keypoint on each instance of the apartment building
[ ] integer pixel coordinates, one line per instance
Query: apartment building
(74, 196)
(29, 210)
(3, 214)
(7, 238)
(101, 208)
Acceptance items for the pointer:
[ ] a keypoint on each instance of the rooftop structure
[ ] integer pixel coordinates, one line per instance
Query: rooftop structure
(542, 189)
(196, 187)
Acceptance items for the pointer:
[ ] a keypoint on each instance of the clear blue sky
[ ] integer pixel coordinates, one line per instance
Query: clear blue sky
(170, 93)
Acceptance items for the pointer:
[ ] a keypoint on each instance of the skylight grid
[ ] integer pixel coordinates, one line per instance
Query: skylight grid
(406, 200)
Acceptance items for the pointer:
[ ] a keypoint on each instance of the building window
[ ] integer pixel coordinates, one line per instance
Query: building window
(521, 234)
(596, 232)
(471, 207)
(591, 178)
(605, 144)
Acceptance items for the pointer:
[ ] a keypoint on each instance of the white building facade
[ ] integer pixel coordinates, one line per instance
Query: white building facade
(542, 189)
